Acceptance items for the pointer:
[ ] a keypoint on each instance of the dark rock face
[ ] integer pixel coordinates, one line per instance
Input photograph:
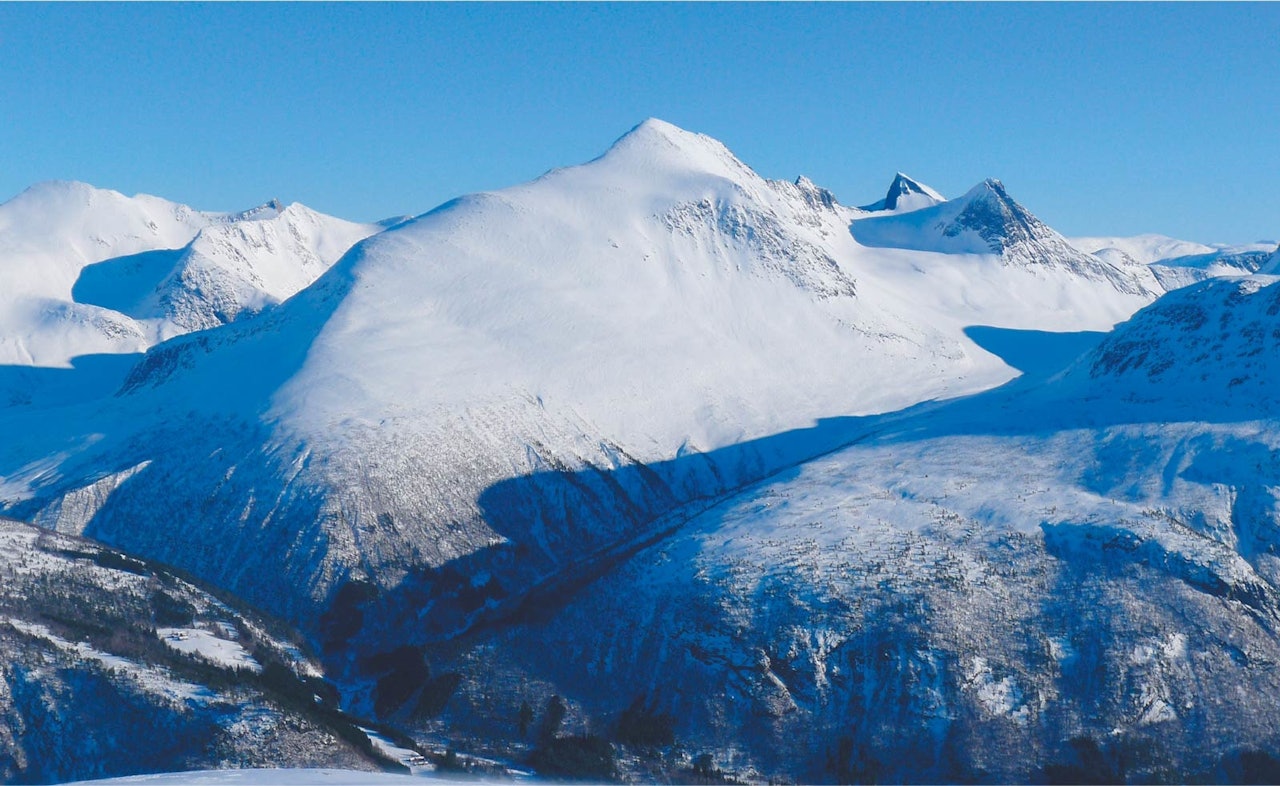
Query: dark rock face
(900, 187)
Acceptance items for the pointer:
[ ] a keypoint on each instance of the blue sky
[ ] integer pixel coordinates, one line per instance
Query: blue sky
(1101, 119)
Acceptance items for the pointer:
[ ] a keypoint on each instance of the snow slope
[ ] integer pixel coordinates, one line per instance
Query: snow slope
(226, 269)
(656, 425)
(986, 220)
(659, 302)
(1227, 261)
(48, 234)
(1272, 265)
(1177, 263)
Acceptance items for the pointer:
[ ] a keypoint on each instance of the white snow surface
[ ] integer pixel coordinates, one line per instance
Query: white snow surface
(207, 645)
(1144, 249)
(87, 271)
(1272, 266)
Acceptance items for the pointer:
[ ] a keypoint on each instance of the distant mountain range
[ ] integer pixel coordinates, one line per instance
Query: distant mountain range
(921, 490)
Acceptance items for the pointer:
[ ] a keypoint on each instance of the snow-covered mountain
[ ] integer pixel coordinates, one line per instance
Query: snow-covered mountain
(1177, 272)
(659, 302)
(1177, 263)
(474, 415)
(987, 221)
(905, 195)
(257, 259)
(1143, 249)
(87, 273)
(1271, 267)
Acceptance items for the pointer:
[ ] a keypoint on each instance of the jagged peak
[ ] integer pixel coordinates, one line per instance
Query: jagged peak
(814, 194)
(988, 207)
(906, 194)
(991, 188)
(905, 184)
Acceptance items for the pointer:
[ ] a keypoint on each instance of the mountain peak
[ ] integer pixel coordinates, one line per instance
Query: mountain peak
(992, 213)
(814, 194)
(906, 194)
(657, 144)
(62, 192)
(991, 188)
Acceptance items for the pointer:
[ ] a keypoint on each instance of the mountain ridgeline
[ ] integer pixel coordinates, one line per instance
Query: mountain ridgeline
(921, 490)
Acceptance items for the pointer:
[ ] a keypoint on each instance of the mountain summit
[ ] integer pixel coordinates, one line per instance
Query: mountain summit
(987, 221)
(905, 195)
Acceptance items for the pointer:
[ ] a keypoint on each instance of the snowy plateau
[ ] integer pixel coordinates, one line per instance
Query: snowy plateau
(651, 469)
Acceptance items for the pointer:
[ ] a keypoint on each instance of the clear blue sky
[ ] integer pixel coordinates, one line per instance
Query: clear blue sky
(1102, 119)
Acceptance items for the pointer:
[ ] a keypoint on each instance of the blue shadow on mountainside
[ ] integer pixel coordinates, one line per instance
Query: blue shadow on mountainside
(1038, 354)
(90, 377)
(125, 283)
(564, 527)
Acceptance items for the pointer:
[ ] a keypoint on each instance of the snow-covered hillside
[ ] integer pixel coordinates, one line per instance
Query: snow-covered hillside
(1179, 272)
(1177, 263)
(228, 268)
(987, 221)
(110, 666)
(1272, 266)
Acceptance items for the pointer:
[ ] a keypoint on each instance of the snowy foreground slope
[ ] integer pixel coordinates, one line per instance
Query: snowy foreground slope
(574, 438)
